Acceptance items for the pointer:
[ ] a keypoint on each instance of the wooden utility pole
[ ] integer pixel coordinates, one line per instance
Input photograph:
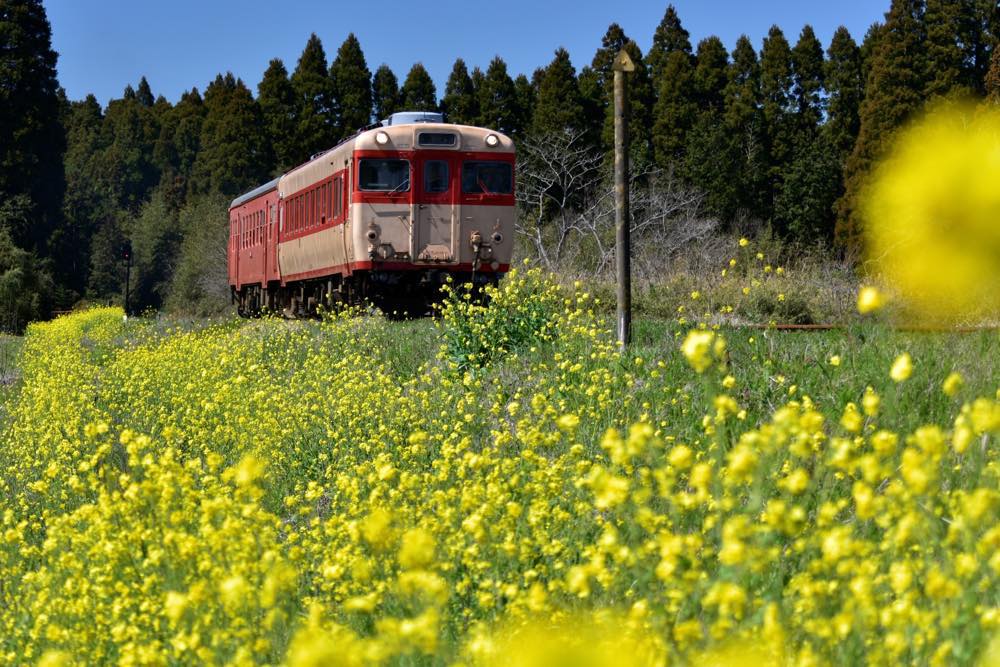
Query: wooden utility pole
(623, 251)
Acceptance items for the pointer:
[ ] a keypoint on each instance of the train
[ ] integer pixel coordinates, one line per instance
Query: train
(384, 217)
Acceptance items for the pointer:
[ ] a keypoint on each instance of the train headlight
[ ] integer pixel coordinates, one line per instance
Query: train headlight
(497, 238)
(381, 138)
(372, 234)
(492, 140)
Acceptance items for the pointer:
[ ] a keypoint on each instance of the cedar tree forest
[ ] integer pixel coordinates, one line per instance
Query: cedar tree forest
(781, 132)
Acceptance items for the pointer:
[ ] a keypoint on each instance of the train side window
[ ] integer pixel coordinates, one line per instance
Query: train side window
(487, 177)
(331, 198)
(338, 195)
(436, 176)
(384, 175)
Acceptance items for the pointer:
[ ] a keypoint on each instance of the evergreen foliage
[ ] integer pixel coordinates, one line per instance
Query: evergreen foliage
(314, 102)
(497, 99)
(559, 106)
(524, 93)
(893, 92)
(86, 198)
(746, 161)
(276, 98)
(641, 99)
(32, 141)
(676, 110)
(946, 62)
(845, 88)
(418, 92)
(352, 88)
(776, 83)
(459, 103)
(808, 81)
(670, 36)
(385, 92)
(234, 155)
(26, 288)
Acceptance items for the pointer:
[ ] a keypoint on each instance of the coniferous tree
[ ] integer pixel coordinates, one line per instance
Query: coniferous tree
(106, 278)
(893, 92)
(497, 99)
(276, 98)
(459, 103)
(31, 136)
(144, 94)
(594, 99)
(947, 70)
(418, 92)
(352, 88)
(86, 198)
(776, 93)
(234, 155)
(708, 143)
(980, 34)
(844, 86)
(559, 106)
(190, 115)
(992, 83)
(126, 166)
(869, 45)
(316, 128)
(711, 63)
(670, 36)
(640, 96)
(676, 110)
(524, 92)
(808, 82)
(385, 92)
(746, 185)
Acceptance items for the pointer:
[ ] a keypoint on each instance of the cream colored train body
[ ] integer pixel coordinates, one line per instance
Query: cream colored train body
(386, 215)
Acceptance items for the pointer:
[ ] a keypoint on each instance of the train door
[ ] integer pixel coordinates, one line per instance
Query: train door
(435, 223)
(271, 247)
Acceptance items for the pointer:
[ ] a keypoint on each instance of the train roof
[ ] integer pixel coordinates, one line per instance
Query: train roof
(256, 192)
(402, 129)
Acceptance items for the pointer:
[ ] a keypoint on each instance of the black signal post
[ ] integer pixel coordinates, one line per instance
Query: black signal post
(127, 258)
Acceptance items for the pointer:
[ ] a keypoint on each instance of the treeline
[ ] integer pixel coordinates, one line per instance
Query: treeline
(784, 134)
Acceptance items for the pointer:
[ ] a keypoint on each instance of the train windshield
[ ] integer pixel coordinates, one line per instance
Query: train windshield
(384, 175)
(487, 177)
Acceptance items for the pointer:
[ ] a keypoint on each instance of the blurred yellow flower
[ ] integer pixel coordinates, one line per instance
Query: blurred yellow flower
(902, 367)
(952, 384)
(931, 213)
(870, 299)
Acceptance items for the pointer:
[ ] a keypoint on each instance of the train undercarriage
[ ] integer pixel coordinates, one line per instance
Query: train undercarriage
(398, 294)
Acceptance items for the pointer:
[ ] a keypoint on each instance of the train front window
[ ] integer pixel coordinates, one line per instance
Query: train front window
(435, 176)
(487, 177)
(384, 175)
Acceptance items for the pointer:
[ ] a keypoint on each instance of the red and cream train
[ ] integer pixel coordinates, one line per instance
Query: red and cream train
(385, 215)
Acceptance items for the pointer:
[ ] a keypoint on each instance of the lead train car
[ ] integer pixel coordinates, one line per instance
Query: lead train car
(385, 216)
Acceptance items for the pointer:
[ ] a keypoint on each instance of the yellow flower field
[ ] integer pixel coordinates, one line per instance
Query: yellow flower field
(517, 493)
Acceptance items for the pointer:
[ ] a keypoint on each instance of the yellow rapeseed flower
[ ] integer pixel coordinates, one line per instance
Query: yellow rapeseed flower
(902, 367)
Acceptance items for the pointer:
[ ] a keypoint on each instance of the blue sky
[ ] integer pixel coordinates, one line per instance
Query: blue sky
(105, 44)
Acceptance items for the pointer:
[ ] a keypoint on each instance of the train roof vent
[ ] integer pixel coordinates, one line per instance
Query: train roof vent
(407, 117)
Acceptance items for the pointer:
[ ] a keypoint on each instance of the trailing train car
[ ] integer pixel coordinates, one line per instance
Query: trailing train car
(384, 216)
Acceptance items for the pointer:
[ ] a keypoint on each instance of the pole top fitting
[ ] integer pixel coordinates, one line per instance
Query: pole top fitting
(623, 62)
